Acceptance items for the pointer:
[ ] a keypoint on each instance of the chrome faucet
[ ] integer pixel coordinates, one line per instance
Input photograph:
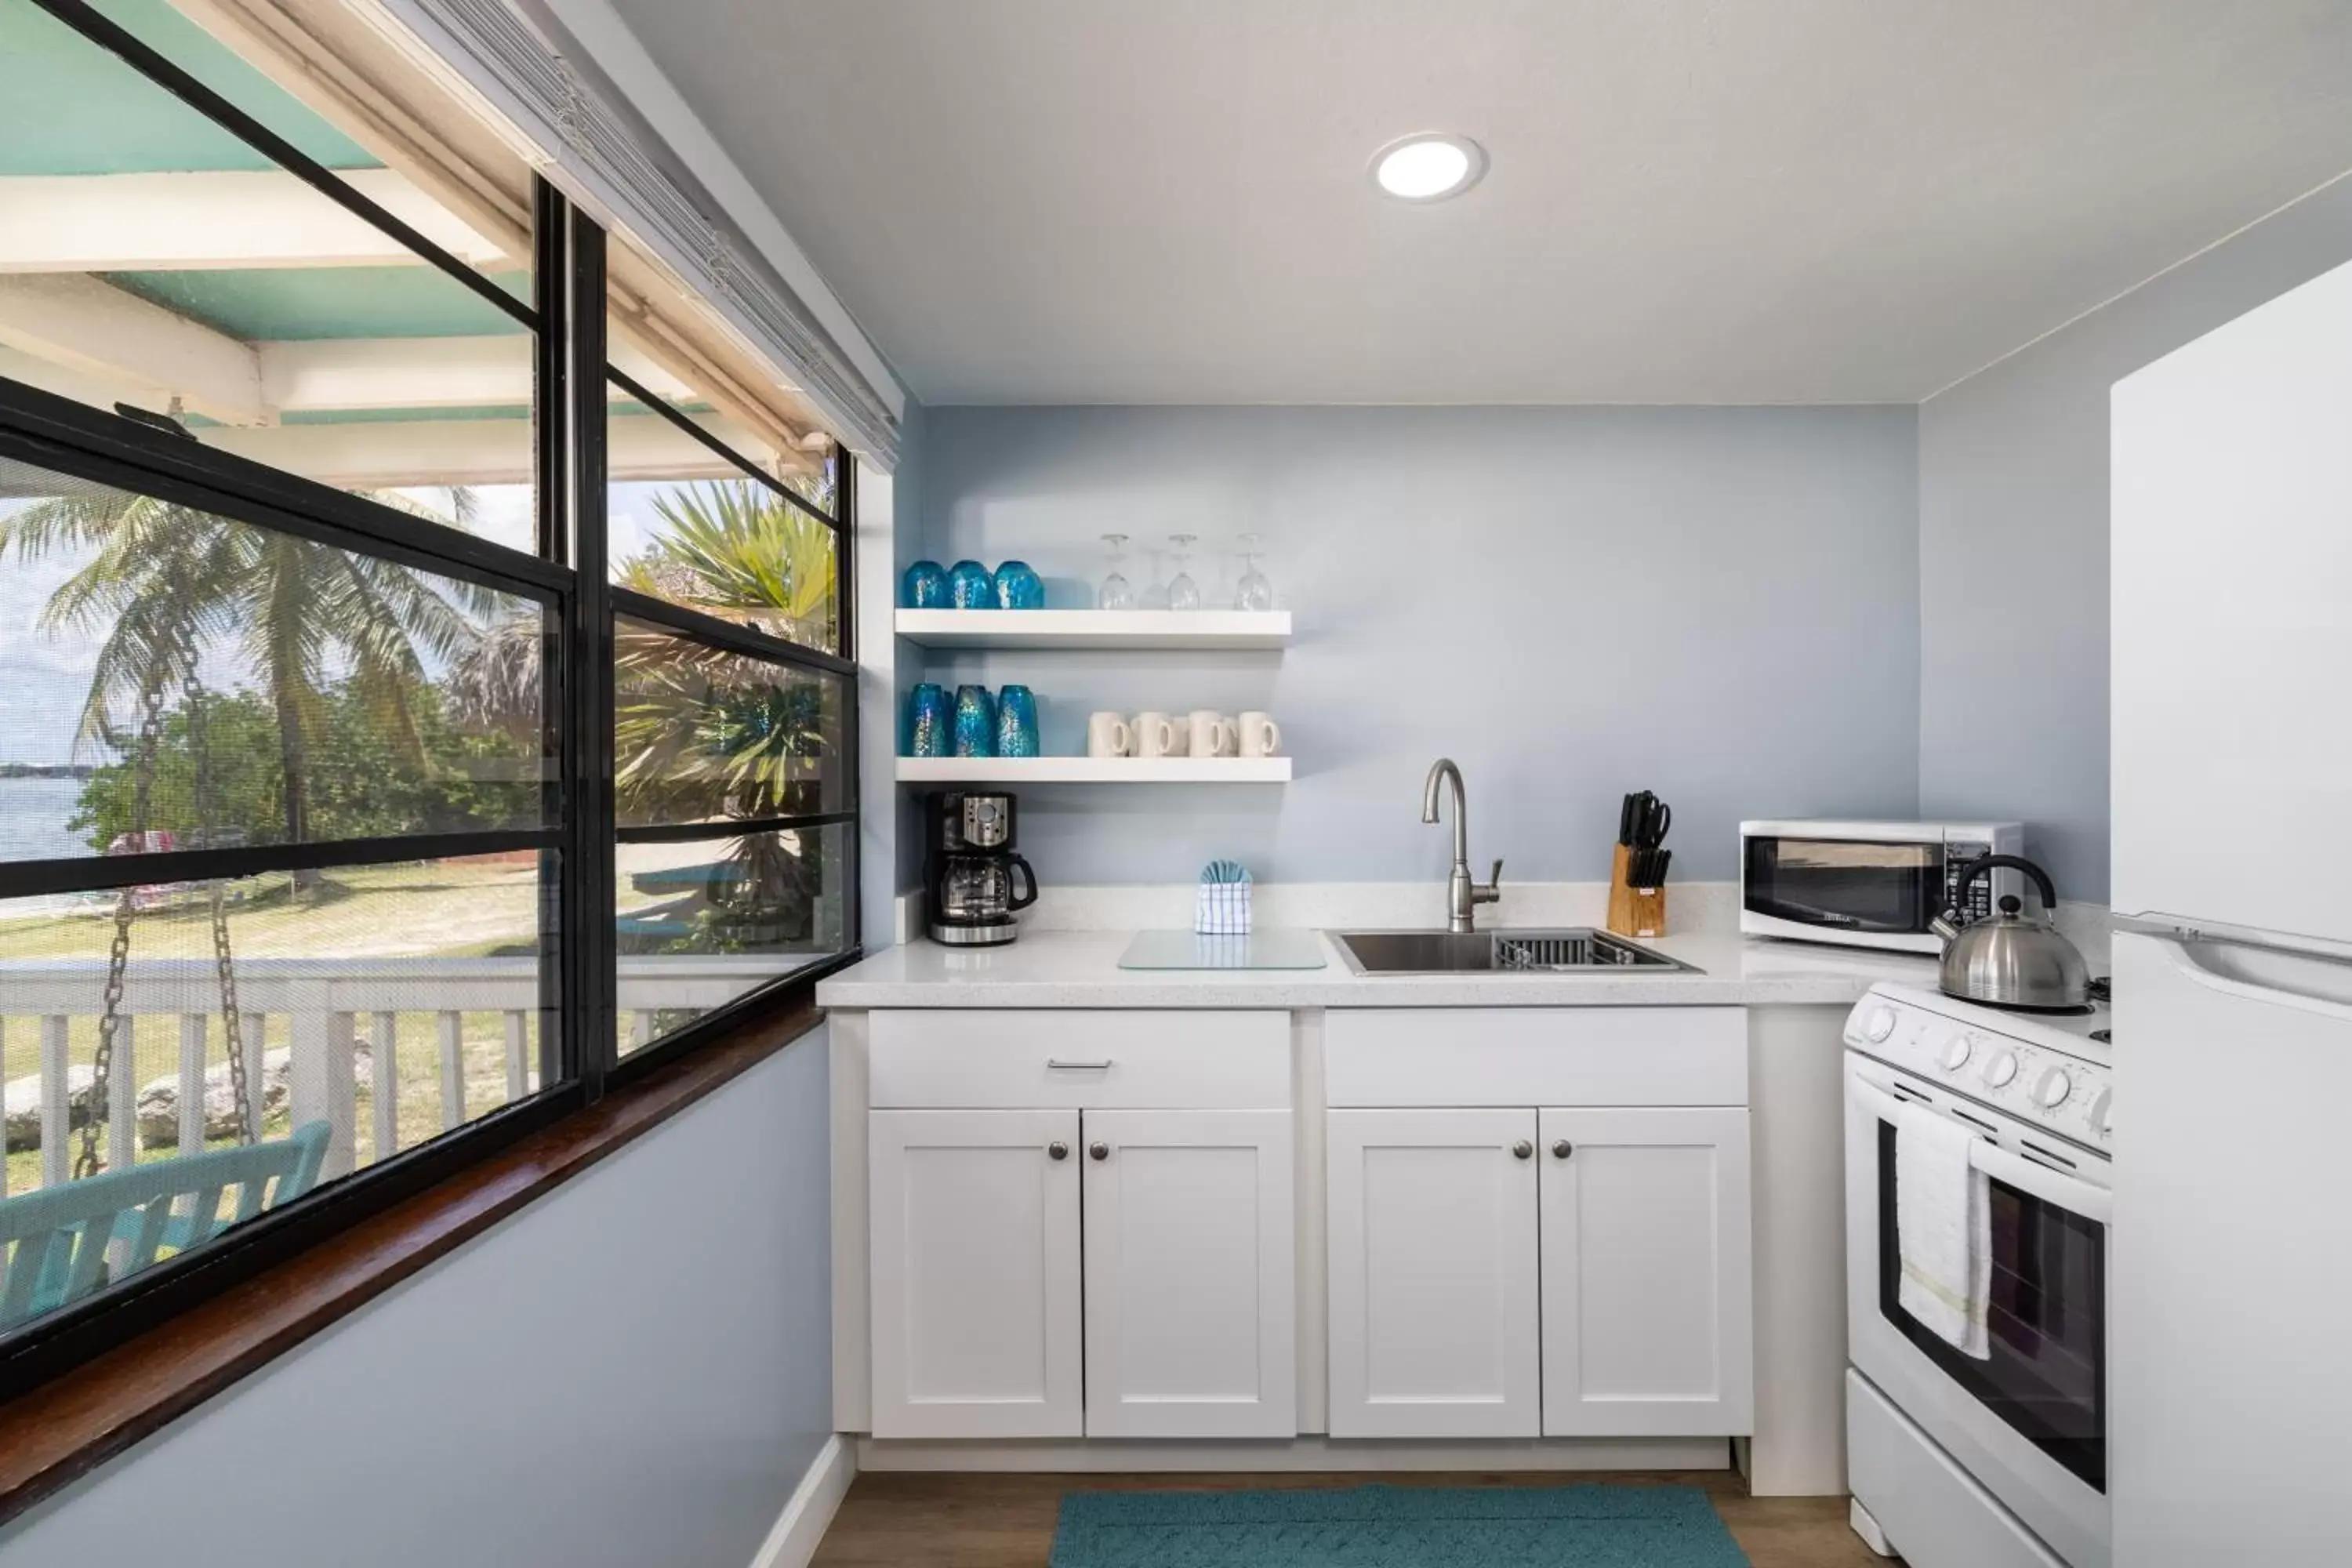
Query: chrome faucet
(1461, 895)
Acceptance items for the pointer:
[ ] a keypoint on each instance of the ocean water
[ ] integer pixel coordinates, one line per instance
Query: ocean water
(32, 818)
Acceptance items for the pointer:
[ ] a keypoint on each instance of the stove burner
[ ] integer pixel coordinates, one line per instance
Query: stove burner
(2102, 988)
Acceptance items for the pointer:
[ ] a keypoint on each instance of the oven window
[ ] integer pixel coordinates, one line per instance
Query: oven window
(1843, 885)
(2047, 1375)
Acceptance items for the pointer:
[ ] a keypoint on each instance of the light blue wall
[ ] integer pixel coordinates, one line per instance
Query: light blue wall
(634, 1371)
(1718, 604)
(2013, 544)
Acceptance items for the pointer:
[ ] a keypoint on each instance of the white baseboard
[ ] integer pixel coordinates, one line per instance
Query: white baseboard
(791, 1540)
(1101, 1454)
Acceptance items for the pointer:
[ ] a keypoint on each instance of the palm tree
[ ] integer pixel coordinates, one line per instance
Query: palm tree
(732, 547)
(163, 580)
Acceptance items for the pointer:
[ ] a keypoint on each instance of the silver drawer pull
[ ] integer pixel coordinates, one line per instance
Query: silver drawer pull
(1059, 1066)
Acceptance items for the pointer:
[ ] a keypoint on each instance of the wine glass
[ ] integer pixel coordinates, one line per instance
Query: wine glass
(1254, 592)
(1183, 594)
(1116, 594)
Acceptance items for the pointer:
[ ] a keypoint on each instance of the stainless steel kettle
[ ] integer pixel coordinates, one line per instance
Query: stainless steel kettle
(2006, 959)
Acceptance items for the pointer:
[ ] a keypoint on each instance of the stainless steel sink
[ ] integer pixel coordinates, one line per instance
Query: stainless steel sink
(1578, 950)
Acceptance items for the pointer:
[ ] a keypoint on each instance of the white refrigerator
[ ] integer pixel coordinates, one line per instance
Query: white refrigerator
(2230, 1309)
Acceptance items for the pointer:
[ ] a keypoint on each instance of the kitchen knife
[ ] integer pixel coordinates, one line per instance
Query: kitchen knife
(1625, 821)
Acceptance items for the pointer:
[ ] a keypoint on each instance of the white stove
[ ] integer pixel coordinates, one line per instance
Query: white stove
(1996, 1461)
(2052, 1069)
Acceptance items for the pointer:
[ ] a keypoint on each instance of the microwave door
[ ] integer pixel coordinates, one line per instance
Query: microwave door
(1846, 885)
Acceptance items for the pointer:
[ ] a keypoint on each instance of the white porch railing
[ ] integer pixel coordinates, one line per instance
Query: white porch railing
(319, 1012)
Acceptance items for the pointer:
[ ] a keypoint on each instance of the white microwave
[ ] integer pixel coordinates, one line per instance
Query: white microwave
(1868, 884)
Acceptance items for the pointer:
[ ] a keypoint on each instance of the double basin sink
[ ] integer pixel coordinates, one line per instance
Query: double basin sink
(1574, 951)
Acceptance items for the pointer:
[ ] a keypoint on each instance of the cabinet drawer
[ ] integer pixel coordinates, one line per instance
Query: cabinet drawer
(1091, 1061)
(1537, 1056)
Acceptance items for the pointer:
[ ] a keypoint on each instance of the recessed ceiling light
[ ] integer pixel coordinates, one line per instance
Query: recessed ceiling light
(1429, 167)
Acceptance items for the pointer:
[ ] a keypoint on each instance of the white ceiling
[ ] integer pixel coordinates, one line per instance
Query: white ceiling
(1691, 201)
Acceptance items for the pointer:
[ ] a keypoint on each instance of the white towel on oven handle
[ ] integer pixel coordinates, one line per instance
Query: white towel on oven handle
(1943, 1226)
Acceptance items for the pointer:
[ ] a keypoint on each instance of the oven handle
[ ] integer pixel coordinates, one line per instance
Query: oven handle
(2069, 1193)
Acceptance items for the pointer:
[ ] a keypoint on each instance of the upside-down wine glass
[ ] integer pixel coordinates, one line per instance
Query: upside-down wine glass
(1115, 594)
(1183, 594)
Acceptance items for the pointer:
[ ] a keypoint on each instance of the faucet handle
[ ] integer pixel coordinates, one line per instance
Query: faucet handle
(1492, 893)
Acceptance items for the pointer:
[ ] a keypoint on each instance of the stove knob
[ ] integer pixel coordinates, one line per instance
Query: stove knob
(1998, 1069)
(2102, 1106)
(1879, 1025)
(1956, 1053)
(2051, 1090)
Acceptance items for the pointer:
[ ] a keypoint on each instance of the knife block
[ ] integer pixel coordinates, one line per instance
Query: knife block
(1634, 911)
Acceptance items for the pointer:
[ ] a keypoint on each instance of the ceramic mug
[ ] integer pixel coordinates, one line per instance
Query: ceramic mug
(1109, 735)
(1211, 734)
(1156, 735)
(1259, 735)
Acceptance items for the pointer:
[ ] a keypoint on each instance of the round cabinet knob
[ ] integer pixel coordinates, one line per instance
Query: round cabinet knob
(1524, 1150)
(1999, 1069)
(2103, 1108)
(1879, 1025)
(1562, 1150)
(1955, 1051)
(2051, 1090)
(1057, 1150)
(1097, 1150)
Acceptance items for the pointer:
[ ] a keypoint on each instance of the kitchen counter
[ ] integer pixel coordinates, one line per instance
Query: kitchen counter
(1080, 969)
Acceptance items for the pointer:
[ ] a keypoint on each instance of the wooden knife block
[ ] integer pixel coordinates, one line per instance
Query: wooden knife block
(1634, 911)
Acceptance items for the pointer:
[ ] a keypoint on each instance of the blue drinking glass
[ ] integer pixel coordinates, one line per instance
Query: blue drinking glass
(929, 721)
(975, 723)
(970, 587)
(1016, 722)
(925, 586)
(1018, 588)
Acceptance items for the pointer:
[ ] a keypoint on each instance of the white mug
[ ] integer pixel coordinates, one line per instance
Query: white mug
(1211, 734)
(1108, 735)
(1259, 735)
(1157, 736)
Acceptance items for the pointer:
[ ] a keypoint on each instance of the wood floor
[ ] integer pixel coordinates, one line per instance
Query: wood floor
(1007, 1521)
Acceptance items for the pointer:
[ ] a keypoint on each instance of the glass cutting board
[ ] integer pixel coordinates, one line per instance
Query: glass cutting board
(1272, 949)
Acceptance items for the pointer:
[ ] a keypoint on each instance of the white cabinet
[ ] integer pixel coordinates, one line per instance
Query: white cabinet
(975, 1273)
(1433, 1273)
(1646, 1272)
(1081, 1224)
(1190, 1327)
(1567, 1273)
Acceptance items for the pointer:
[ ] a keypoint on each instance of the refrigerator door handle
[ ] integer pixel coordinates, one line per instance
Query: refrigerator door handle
(2194, 960)
(2177, 928)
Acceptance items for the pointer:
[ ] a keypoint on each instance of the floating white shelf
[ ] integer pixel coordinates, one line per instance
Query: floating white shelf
(1096, 629)
(1094, 770)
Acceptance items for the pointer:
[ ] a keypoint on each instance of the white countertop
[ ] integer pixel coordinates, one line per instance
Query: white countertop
(1080, 969)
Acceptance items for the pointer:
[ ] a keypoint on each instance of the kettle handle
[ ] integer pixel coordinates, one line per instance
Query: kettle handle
(1023, 900)
(1982, 863)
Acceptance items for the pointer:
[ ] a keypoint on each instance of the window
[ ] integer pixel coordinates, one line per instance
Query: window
(733, 711)
(154, 257)
(310, 883)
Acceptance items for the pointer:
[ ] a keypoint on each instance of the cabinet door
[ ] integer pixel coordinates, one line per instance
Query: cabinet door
(975, 1273)
(1191, 1329)
(1432, 1263)
(1646, 1283)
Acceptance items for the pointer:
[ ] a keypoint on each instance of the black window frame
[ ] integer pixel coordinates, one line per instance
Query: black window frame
(569, 574)
(751, 641)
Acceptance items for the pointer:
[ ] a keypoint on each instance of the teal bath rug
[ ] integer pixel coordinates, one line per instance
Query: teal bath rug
(1397, 1526)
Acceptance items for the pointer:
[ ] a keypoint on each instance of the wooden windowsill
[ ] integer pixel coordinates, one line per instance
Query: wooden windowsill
(68, 1426)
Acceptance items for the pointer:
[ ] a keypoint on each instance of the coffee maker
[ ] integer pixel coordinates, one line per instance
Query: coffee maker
(968, 875)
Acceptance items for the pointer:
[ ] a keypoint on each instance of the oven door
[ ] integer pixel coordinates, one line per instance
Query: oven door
(2029, 1422)
(1868, 892)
